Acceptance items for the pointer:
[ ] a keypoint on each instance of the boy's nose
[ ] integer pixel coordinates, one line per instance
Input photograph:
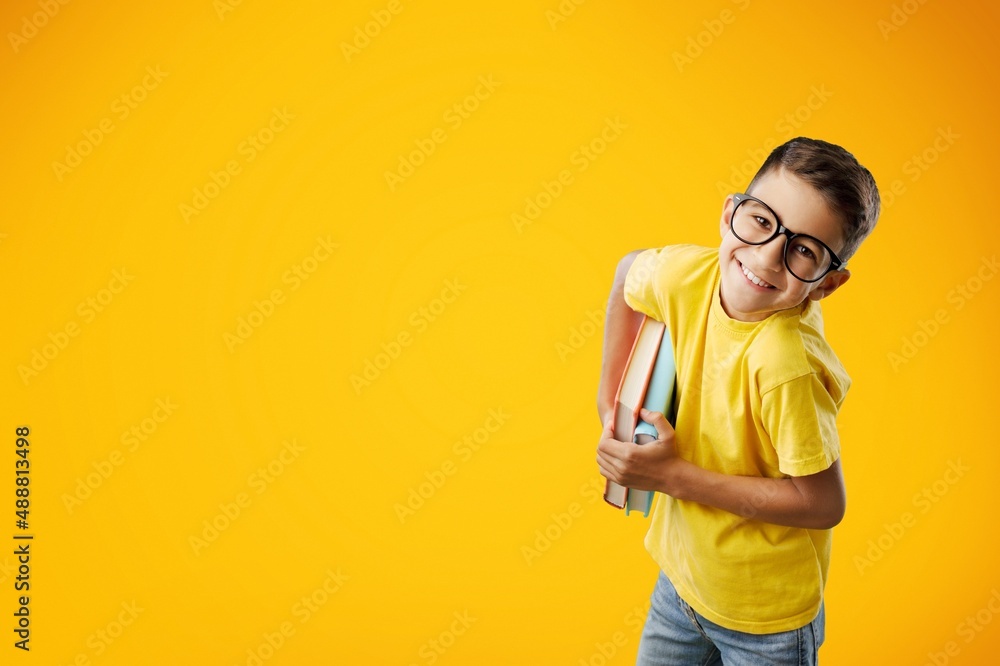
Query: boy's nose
(772, 253)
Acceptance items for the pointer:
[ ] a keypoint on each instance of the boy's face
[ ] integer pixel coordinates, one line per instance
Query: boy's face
(802, 210)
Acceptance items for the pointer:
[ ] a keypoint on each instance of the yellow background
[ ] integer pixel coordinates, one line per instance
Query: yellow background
(505, 326)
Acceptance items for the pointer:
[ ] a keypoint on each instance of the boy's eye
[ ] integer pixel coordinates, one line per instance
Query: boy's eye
(805, 252)
(763, 222)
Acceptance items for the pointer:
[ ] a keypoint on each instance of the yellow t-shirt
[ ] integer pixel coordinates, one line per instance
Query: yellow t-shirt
(753, 399)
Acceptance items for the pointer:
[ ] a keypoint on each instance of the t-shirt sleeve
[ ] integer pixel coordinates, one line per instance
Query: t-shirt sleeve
(640, 283)
(801, 417)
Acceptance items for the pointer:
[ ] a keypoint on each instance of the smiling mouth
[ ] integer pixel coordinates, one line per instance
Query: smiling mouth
(754, 279)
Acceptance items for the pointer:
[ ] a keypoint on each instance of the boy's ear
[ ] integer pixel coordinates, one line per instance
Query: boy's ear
(727, 215)
(830, 284)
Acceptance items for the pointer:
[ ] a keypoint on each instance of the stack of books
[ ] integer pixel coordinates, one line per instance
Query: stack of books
(649, 381)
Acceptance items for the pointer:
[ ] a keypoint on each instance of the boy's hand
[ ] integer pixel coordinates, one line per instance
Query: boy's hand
(653, 466)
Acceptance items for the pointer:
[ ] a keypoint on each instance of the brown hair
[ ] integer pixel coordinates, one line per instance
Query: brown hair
(848, 187)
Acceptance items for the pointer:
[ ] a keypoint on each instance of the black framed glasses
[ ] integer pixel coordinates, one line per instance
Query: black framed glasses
(807, 258)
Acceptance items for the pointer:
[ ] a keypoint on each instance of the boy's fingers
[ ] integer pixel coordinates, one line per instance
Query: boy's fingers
(611, 450)
(603, 470)
(609, 432)
(608, 466)
(607, 446)
(655, 419)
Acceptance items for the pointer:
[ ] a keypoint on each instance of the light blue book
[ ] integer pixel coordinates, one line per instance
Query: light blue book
(659, 398)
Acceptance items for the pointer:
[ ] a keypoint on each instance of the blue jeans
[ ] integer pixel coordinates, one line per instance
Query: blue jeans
(676, 635)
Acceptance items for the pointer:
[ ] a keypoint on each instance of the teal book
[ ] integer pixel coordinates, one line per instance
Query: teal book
(659, 398)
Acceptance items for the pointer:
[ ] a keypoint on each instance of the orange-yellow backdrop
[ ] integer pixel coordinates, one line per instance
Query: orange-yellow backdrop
(303, 309)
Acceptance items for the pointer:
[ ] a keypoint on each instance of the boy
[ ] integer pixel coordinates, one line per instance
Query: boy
(750, 478)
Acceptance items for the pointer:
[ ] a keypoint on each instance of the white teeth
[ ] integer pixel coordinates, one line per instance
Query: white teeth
(753, 278)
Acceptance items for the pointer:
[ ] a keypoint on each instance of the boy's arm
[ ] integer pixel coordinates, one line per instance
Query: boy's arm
(620, 328)
(816, 501)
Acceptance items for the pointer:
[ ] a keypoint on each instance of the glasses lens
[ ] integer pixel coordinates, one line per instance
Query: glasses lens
(807, 258)
(753, 222)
